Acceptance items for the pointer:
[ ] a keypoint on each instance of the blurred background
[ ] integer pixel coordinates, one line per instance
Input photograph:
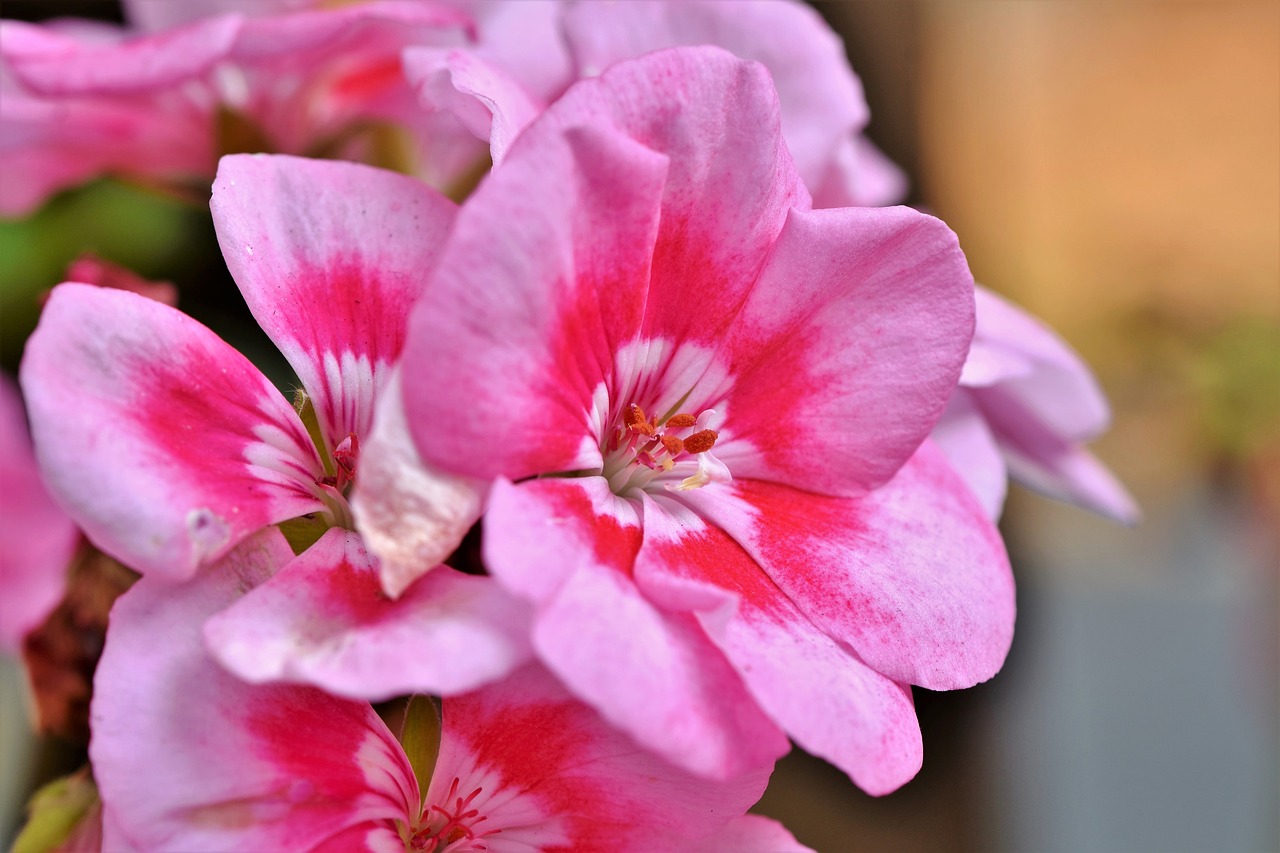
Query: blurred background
(1115, 169)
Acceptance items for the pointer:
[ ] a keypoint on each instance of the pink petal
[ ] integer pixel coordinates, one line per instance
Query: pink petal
(963, 436)
(912, 576)
(651, 673)
(559, 778)
(330, 257)
(48, 145)
(820, 98)
(411, 516)
(190, 758)
(1055, 384)
(754, 833)
(829, 702)
(53, 64)
(488, 101)
(860, 175)
(547, 268)
(324, 620)
(729, 184)
(848, 348)
(165, 445)
(1039, 457)
(39, 540)
(1042, 403)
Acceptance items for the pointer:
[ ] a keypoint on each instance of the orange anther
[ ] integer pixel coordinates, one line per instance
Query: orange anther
(681, 421)
(673, 445)
(634, 419)
(701, 441)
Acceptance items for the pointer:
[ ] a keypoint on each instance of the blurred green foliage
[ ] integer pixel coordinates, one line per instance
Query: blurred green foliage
(151, 234)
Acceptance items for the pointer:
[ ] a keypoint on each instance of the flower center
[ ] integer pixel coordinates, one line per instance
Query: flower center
(673, 450)
(450, 828)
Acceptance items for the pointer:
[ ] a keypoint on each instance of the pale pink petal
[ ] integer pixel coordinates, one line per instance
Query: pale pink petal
(1042, 404)
(50, 63)
(912, 576)
(860, 175)
(164, 444)
(1040, 457)
(653, 674)
(847, 349)
(963, 435)
(543, 279)
(1059, 388)
(188, 757)
(330, 257)
(488, 101)
(829, 702)
(356, 28)
(753, 833)
(163, 14)
(324, 620)
(525, 37)
(821, 99)
(38, 538)
(411, 516)
(559, 778)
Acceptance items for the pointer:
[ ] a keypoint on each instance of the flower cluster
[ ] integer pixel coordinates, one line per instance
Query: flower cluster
(663, 448)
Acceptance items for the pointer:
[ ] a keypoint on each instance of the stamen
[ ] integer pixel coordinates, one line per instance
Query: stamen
(681, 421)
(701, 441)
(673, 445)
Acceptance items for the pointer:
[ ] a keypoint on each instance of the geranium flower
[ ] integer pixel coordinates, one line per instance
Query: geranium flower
(701, 405)
(187, 757)
(496, 92)
(85, 100)
(1026, 406)
(168, 447)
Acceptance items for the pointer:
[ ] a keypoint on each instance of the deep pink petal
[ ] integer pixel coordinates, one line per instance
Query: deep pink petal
(38, 538)
(330, 257)
(963, 435)
(324, 620)
(560, 778)
(486, 99)
(829, 702)
(820, 98)
(188, 757)
(848, 348)
(543, 279)
(654, 674)
(164, 444)
(913, 576)
(411, 516)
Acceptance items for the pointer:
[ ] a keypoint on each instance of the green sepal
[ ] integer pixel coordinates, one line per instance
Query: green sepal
(55, 811)
(420, 737)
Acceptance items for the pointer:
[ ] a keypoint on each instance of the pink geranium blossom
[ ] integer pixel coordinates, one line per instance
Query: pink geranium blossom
(82, 101)
(190, 449)
(701, 405)
(1027, 405)
(38, 538)
(189, 758)
(496, 91)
